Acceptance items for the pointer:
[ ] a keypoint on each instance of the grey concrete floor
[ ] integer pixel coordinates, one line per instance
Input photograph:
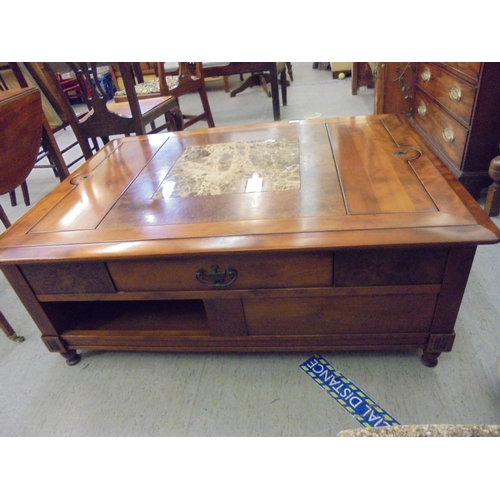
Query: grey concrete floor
(161, 394)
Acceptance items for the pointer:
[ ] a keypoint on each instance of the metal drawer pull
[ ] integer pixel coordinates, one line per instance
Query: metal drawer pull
(216, 279)
(448, 134)
(426, 75)
(455, 94)
(422, 109)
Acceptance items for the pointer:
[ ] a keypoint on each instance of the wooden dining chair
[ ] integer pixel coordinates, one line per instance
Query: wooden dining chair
(184, 79)
(105, 118)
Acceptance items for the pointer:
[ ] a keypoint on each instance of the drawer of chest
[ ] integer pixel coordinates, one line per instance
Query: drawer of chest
(224, 272)
(453, 93)
(445, 133)
(399, 266)
(467, 69)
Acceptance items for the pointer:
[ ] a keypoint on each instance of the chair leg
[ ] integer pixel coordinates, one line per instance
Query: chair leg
(8, 330)
(175, 119)
(283, 83)
(3, 217)
(13, 198)
(206, 107)
(50, 145)
(26, 194)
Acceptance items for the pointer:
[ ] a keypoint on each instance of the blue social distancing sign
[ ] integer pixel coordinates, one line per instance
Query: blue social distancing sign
(366, 411)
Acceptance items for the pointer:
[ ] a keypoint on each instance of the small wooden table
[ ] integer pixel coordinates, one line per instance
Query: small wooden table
(269, 70)
(339, 234)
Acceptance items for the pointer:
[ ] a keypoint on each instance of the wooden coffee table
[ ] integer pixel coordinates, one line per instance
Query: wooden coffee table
(339, 234)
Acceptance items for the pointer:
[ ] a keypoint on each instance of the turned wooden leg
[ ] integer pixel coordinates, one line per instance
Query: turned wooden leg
(430, 359)
(72, 357)
(9, 331)
(492, 205)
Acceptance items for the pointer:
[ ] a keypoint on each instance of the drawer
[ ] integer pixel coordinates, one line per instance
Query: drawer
(445, 133)
(453, 93)
(468, 69)
(68, 277)
(337, 315)
(412, 266)
(231, 271)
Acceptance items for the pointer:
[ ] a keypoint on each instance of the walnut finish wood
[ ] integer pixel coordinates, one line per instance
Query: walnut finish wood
(372, 251)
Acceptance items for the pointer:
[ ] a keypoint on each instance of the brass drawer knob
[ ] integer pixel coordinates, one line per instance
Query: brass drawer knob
(455, 94)
(422, 109)
(426, 75)
(448, 134)
(216, 278)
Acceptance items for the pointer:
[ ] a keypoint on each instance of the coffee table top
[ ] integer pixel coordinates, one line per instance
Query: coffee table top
(355, 182)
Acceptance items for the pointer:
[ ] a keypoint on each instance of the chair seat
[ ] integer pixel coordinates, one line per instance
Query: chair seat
(150, 87)
(146, 105)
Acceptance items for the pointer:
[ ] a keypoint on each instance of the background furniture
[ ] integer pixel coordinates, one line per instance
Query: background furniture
(269, 69)
(394, 87)
(341, 67)
(492, 203)
(8, 330)
(180, 81)
(455, 107)
(262, 78)
(16, 77)
(362, 76)
(105, 119)
(21, 125)
(365, 240)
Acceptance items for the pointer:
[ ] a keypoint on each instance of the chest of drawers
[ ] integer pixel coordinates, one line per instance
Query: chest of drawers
(456, 110)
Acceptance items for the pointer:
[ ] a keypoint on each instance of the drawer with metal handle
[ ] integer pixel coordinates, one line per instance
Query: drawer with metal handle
(438, 127)
(454, 94)
(224, 272)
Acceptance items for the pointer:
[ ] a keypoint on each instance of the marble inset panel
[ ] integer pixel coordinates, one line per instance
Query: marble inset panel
(233, 167)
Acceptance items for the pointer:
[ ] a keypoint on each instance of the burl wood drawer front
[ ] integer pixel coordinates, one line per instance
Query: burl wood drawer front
(448, 135)
(68, 278)
(454, 94)
(413, 266)
(233, 272)
(335, 315)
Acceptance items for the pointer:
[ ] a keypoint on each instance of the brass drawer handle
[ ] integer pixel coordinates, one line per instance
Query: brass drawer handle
(422, 109)
(455, 94)
(426, 75)
(216, 278)
(448, 134)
